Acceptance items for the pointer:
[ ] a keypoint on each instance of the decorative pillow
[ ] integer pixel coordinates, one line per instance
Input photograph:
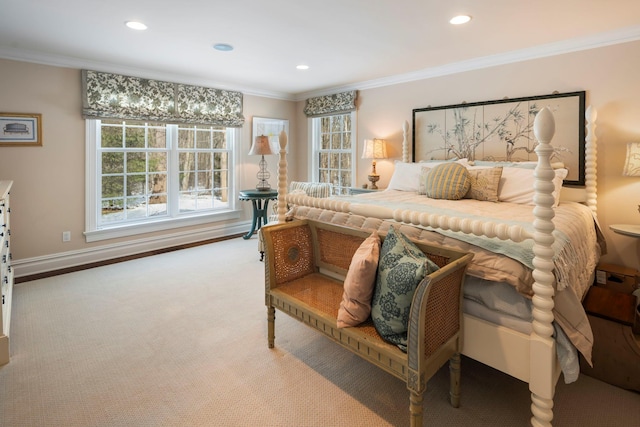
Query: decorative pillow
(422, 184)
(406, 176)
(484, 184)
(422, 189)
(355, 306)
(312, 189)
(447, 181)
(401, 268)
(516, 185)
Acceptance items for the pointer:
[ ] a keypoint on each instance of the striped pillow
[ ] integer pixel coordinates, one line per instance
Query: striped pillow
(313, 189)
(447, 181)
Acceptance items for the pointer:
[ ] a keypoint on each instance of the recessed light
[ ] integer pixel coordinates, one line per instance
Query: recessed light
(135, 25)
(302, 67)
(223, 47)
(460, 19)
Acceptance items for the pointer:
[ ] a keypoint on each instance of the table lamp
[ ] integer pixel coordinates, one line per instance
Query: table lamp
(261, 147)
(632, 163)
(374, 149)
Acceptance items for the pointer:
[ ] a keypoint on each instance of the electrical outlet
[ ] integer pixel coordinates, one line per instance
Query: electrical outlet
(66, 236)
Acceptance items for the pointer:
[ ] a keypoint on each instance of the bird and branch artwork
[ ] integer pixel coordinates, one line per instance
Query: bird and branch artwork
(502, 131)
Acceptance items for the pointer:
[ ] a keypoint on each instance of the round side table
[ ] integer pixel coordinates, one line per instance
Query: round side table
(260, 200)
(626, 229)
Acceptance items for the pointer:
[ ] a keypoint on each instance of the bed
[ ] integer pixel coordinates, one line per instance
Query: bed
(558, 243)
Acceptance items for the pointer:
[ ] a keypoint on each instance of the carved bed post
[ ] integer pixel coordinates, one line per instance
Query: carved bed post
(542, 349)
(405, 142)
(591, 156)
(282, 178)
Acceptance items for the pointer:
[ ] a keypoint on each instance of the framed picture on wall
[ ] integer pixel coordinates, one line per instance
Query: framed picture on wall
(502, 130)
(271, 128)
(20, 130)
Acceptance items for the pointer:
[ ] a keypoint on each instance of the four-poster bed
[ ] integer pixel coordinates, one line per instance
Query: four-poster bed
(532, 355)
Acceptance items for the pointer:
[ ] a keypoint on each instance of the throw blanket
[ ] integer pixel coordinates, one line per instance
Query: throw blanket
(580, 240)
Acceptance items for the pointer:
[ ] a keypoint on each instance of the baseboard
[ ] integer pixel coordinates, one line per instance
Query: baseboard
(37, 267)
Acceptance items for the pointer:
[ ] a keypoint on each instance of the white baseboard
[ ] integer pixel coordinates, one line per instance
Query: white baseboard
(43, 264)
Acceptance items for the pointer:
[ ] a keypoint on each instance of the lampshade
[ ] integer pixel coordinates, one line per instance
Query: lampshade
(632, 164)
(374, 149)
(260, 146)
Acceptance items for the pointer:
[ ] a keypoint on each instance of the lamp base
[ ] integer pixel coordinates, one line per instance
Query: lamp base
(263, 175)
(373, 179)
(263, 186)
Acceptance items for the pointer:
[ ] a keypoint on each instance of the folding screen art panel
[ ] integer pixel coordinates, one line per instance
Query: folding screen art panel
(502, 130)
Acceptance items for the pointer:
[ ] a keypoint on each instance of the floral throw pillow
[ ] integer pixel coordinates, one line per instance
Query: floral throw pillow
(484, 184)
(401, 267)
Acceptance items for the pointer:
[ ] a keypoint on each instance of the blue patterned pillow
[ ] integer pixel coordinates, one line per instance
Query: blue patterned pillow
(401, 268)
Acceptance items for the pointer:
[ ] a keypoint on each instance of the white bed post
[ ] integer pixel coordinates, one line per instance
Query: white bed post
(405, 142)
(591, 156)
(282, 178)
(543, 357)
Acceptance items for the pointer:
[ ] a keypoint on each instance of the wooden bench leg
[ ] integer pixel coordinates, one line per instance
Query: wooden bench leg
(415, 408)
(454, 380)
(271, 318)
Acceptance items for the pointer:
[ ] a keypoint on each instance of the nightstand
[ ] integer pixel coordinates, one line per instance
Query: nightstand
(359, 190)
(260, 200)
(616, 349)
(631, 230)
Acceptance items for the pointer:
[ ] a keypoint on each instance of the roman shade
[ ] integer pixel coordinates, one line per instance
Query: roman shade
(114, 96)
(337, 103)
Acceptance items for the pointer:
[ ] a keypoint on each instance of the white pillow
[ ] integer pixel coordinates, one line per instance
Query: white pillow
(406, 176)
(516, 185)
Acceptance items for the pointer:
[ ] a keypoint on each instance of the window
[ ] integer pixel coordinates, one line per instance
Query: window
(334, 151)
(150, 176)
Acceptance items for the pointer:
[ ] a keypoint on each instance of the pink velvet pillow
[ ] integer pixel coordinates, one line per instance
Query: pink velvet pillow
(355, 306)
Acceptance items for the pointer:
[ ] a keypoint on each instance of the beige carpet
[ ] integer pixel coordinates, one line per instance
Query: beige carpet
(179, 339)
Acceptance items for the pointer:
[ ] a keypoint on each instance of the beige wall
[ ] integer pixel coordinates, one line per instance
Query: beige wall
(610, 77)
(48, 193)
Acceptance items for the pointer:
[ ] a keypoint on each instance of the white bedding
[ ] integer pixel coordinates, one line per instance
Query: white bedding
(573, 220)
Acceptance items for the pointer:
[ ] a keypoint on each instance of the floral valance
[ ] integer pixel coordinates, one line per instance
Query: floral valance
(107, 95)
(343, 102)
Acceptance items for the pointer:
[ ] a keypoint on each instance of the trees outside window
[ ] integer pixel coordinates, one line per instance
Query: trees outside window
(334, 150)
(151, 172)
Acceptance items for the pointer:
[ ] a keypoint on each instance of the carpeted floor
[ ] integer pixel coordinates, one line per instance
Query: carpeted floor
(179, 339)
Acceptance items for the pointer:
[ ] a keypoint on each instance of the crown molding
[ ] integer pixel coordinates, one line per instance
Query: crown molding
(622, 35)
(71, 62)
(618, 36)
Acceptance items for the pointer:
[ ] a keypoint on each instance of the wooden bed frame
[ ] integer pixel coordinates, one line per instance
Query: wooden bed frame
(528, 357)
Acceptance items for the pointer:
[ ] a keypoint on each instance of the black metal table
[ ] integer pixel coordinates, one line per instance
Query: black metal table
(260, 200)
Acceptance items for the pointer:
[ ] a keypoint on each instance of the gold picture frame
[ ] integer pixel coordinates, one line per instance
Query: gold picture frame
(20, 130)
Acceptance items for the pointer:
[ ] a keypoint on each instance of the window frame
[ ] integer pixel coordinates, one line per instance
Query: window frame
(314, 128)
(174, 219)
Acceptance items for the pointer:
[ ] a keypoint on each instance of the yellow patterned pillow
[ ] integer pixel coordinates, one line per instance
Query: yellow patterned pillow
(484, 184)
(447, 181)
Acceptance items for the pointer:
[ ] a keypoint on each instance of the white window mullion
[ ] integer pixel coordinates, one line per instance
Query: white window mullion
(96, 228)
(173, 172)
(93, 163)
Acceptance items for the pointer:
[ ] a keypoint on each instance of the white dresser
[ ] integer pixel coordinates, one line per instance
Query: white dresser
(6, 272)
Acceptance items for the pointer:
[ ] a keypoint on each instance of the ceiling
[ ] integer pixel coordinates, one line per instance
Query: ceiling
(346, 43)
